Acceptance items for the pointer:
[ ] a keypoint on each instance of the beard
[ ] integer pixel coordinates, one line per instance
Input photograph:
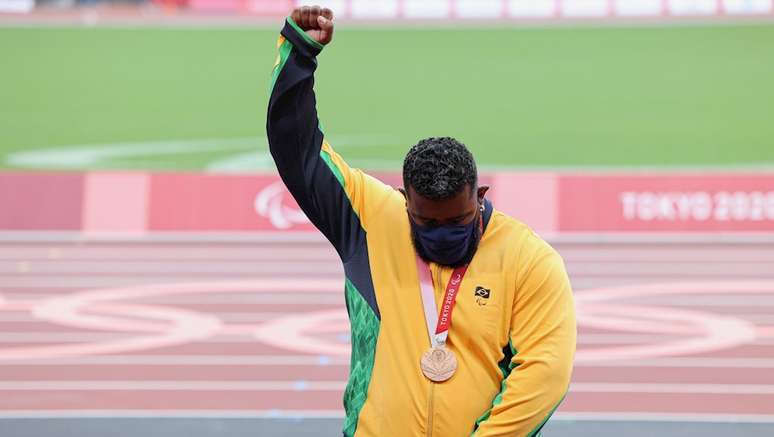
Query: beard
(470, 251)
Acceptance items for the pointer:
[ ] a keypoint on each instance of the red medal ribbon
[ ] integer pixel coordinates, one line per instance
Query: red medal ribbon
(450, 298)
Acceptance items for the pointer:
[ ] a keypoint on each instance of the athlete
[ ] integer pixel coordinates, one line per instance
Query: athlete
(462, 318)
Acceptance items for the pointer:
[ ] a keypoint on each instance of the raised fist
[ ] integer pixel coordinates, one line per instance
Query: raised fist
(317, 22)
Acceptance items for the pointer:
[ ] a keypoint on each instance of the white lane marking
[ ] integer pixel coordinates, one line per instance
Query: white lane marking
(241, 317)
(79, 156)
(79, 338)
(225, 414)
(31, 297)
(617, 338)
(75, 337)
(580, 282)
(112, 281)
(684, 268)
(165, 237)
(648, 240)
(689, 362)
(184, 254)
(315, 360)
(329, 297)
(85, 268)
(57, 337)
(395, 164)
(338, 414)
(244, 162)
(718, 389)
(147, 385)
(663, 417)
(221, 251)
(702, 301)
(726, 256)
(252, 317)
(330, 263)
(260, 159)
(334, 385)
(187, 360)
(166, 253)
(326, 297)
(246, 153)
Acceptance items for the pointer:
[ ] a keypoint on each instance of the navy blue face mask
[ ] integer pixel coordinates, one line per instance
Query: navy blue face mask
(448, 245)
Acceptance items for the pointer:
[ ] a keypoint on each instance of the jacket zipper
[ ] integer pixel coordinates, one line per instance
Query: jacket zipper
(431, 402)
(430, 410)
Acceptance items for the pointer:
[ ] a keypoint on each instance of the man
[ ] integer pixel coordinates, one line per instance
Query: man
(462, 318)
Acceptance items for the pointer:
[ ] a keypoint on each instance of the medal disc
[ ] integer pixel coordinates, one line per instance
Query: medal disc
(438, 364)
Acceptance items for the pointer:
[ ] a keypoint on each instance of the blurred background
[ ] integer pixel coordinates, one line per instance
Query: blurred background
(157, 279)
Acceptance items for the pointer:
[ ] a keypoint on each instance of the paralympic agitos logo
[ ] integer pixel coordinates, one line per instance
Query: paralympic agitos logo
(271, 203)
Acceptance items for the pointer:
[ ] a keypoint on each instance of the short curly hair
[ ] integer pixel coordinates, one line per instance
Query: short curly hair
(439, 168)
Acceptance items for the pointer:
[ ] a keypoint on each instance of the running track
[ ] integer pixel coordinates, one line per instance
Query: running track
(257, 327)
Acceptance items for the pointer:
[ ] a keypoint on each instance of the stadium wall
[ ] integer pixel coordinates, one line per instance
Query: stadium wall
(111, 202)
(414, 10)
(498, 9)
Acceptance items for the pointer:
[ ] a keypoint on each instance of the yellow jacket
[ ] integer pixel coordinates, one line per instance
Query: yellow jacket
(513, 327)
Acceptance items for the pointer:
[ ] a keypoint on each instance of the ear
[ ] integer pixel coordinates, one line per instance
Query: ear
(402, 191)
(482, 192)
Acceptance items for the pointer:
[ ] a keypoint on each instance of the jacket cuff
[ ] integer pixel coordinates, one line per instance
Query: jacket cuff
(300, 40)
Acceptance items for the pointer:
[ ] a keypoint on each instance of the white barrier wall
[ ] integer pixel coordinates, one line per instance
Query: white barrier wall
(526, 9)
(16, 6)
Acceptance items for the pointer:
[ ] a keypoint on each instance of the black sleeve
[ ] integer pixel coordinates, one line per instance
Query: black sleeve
(317, 178)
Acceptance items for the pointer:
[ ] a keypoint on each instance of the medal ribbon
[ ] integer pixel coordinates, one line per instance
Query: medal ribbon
(438, 326)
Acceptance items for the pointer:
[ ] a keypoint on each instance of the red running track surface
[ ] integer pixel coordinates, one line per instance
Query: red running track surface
(223, 327)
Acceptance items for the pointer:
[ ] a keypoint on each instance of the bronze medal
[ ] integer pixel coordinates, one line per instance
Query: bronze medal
(438, 364)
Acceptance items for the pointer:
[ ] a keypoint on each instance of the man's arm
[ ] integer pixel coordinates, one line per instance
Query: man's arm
(543, 334)
(329, 192)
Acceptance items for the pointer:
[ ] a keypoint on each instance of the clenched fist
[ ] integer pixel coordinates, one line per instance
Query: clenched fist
(317, 22)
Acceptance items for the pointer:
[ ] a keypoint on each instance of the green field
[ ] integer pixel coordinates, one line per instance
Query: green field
(196, 98)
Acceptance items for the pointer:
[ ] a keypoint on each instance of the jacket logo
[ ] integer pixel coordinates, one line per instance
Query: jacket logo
(482, 295)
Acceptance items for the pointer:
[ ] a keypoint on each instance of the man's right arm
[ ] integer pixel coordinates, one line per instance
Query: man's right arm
(329, 192)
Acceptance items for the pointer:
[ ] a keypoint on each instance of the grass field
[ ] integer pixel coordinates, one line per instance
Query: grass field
(661, 96)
